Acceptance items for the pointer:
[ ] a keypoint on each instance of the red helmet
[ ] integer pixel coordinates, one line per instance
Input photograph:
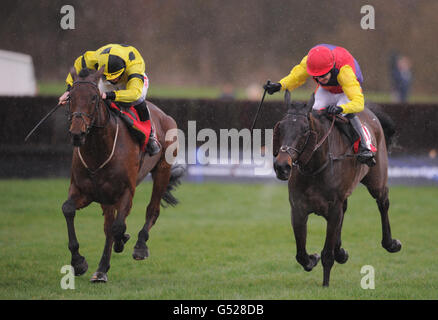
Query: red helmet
(320, 60)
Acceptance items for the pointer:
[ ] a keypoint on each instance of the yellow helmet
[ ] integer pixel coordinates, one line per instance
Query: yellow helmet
(114, 64)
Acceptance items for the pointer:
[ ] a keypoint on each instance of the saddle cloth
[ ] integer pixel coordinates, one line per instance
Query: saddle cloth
(345, 127)
(141, 130)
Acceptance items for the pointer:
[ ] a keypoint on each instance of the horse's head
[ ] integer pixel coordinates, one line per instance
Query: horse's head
(291, 136)
(83, 105)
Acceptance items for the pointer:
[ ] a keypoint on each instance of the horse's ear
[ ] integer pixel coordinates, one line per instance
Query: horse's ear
(99, 73)
(73, 73)
(276, 139)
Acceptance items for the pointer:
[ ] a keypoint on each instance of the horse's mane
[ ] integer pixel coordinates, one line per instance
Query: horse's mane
(85, 73)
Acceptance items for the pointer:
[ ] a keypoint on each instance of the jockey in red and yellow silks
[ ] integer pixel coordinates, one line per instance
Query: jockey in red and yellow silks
(338, 77)
(124, 80)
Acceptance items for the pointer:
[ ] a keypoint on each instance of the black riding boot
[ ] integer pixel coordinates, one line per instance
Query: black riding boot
(143, 111)
(153, 146)
(365, 155)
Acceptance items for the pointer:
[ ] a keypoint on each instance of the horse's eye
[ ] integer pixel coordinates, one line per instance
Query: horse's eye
(94, 98)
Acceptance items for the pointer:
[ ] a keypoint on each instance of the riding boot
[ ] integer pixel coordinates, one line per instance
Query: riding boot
(143, 111)
(365, 155)
(153, 146)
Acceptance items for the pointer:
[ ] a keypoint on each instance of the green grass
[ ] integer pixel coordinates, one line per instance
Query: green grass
(223, 241)
(194, 92)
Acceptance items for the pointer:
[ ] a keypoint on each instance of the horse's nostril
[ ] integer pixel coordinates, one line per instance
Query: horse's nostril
(77, 139)
(282, 170)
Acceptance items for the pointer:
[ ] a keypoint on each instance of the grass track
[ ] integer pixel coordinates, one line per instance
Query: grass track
(224, 241)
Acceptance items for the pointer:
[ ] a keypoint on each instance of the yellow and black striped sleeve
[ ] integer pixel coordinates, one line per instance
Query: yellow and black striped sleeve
(134, 84)
(87, 60)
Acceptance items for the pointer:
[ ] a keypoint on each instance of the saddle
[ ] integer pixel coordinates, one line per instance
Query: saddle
(140, 130)
(343, 124)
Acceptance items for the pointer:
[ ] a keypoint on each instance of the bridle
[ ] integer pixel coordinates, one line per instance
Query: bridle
(288, 149)
(92, 124)
(306, 150)
(92, 117)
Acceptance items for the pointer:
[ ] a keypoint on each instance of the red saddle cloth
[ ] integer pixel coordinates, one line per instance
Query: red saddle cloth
(141, 130)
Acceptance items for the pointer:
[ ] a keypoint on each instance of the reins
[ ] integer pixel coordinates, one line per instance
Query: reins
(325, 136)
(107, 160)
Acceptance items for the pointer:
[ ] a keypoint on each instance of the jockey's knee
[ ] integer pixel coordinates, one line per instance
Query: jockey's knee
(142, 111)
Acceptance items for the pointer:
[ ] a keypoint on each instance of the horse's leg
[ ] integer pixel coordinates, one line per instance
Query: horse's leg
(101, 274)
(119, 226)
(334, 220)
(161, 176)
(75, 201)
(299, 225)
(381, 196)
(341, 255)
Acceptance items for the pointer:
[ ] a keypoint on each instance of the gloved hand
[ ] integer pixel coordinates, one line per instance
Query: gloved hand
(272, 87)
(334, 109)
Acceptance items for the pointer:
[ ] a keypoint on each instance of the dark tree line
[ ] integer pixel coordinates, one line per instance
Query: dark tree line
(210, 42)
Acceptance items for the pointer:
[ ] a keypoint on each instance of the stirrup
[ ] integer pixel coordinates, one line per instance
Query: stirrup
(153, 146)
(367, 157)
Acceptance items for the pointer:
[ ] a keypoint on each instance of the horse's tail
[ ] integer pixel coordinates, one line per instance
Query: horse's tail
(388, 125)
(177, 171)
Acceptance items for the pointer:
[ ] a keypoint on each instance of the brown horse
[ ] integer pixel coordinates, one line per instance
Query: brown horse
(107, 166)
(322, 170)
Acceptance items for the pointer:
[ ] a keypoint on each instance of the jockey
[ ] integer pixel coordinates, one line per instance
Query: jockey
(124, 80)
(338, 77)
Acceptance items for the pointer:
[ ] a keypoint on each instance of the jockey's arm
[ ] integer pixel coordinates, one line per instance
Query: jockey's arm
(134, 88)
(87, 60)
(297, 76)
(134, 85)
(352, 89)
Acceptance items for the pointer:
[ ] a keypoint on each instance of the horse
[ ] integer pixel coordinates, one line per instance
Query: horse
(107, 165)
(322, 171)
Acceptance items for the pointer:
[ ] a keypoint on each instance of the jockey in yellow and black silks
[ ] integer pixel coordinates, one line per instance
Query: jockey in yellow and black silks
(124, 80)
(338, 78)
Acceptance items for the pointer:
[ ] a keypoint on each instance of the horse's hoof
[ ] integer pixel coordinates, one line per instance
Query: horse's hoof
(395, 246)
(341, 256)
(119, 245)
(99, 277)
(314, 258)
(80, 267)
(140, 253)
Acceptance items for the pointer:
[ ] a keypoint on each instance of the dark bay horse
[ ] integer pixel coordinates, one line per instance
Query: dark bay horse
(319, 163)
(107, 166)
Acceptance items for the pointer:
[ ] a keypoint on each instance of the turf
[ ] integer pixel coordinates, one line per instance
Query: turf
(223, 241)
